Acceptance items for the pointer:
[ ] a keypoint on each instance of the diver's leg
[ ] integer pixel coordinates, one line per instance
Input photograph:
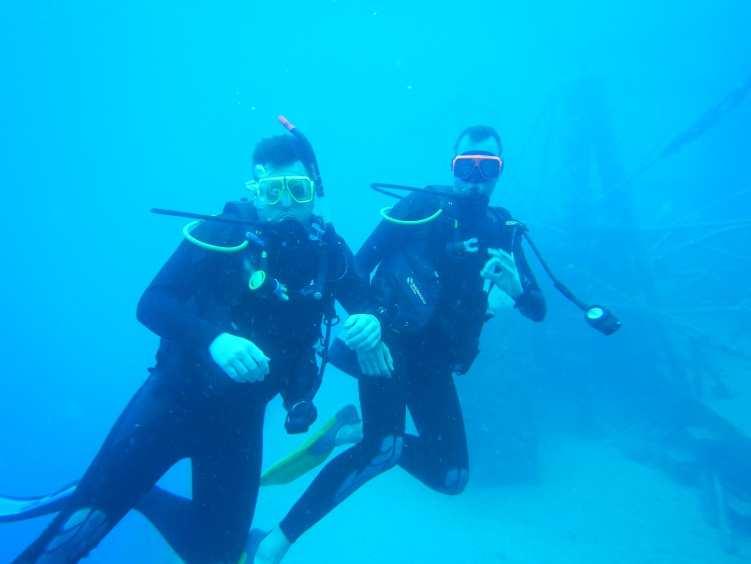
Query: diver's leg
(438, 456)
(383, 411)
(212, 527)
(141, 446)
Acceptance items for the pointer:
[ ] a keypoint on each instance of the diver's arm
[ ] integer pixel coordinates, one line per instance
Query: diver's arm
(351, 287)
(164, 306)
(530, 302)
(362, 331)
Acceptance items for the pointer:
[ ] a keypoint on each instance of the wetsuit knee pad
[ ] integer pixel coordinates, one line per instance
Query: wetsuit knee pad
(390, 451)
(385, 455)
(71, 540)
(455, 481)
(382, 452)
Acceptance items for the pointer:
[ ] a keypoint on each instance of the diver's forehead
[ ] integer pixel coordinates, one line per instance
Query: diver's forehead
(293, 169)
(488, 145)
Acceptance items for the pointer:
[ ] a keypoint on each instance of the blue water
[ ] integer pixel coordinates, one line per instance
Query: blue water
(108, 110)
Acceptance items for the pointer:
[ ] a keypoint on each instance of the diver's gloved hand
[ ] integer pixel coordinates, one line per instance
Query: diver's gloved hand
(362, 331)
(300, 417)
(240, 358)
(501, 271)
(498, 300)
(376, 361)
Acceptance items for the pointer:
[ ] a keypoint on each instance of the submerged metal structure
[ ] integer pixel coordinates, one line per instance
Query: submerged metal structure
(664, 388)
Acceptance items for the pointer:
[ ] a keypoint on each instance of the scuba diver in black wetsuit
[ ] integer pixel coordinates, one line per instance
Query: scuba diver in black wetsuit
(438, 258)
(239, 309)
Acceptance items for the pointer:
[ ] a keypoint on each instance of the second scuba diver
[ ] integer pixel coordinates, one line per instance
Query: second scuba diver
(239, 308)
(437, 256)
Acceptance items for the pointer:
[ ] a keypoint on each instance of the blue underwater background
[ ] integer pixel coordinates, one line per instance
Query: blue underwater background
(626, 132)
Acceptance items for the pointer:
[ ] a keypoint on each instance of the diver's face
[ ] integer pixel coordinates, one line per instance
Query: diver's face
(481, 187)
(287, 203)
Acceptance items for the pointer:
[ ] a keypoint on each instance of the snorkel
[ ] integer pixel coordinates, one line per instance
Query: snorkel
(308, 156)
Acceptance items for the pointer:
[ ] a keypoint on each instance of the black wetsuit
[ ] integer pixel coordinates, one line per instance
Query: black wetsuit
(427, 352)
(188, 408)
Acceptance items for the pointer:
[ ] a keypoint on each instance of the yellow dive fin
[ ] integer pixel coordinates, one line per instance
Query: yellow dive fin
(312, 452)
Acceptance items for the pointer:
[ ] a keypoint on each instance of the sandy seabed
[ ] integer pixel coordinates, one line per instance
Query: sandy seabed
(592, 505)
